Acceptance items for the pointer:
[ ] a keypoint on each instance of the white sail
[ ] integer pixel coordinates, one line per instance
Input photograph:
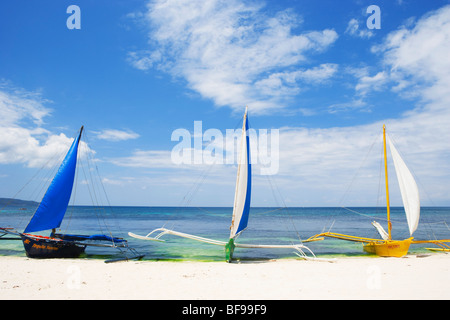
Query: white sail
(381, 230)
(242, 194)
(408, 188)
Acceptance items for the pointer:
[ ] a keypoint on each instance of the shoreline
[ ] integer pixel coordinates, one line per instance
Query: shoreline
(356, 278)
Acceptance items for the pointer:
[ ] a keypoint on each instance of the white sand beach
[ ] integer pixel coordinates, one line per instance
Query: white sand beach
(411, 277)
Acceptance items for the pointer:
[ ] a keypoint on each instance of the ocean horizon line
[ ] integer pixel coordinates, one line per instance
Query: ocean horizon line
(17, 202)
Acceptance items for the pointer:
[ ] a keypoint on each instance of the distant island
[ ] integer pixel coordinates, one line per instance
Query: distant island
(16, 202)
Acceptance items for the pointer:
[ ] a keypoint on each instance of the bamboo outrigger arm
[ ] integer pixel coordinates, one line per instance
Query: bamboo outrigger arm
(163, 231)
(440, 243)
(321, 236)
(9, 231)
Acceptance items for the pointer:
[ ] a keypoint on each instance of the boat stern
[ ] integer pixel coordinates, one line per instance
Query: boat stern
(229, 250)
(389, 248)
(46, 247)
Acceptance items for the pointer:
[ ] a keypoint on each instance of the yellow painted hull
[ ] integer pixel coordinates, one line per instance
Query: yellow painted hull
(389, 248)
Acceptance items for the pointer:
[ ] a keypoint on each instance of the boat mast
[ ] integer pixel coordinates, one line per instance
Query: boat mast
(387, 184)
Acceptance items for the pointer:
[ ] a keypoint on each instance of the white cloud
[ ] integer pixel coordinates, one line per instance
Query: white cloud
(22, 138)
(146, 159)
(414, 58)
(116, 135)
(18, 105)
(375, 83)
(223, 49)
(354, 30)
(354, 105)
(316, 165)
(288, 80)
(414, 62)
(419, 55)
(143, 60)
(318, 74)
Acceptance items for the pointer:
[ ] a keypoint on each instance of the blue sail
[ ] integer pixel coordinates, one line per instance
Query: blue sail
(53, 206)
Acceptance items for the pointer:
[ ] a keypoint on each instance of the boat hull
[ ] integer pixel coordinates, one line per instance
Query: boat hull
(389, 248)
(229, 250)
(45, 247)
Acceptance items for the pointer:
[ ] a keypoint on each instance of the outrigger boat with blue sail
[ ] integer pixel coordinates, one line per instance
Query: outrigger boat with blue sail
(241, 211)
(50, 213)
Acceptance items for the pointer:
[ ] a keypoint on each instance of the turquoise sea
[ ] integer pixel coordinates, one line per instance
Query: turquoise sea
(266, 226)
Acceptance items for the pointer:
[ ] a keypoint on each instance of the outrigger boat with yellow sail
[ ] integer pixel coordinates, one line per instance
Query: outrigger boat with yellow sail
(387, 247)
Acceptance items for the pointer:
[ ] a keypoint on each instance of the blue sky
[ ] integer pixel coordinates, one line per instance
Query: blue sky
(138, 70)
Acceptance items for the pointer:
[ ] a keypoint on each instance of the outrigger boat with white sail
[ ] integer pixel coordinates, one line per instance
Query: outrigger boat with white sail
(49, 215)
(241, 210)
(387, 247)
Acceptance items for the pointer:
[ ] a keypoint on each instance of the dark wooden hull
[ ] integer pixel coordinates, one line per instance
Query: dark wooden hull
(45, 247)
